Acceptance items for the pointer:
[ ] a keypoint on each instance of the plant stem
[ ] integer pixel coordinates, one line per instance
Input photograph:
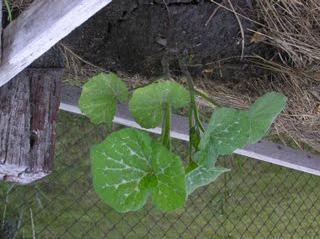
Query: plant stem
(166, 126)
(194, 107)
(194, 119)
(197, 118)
(6, 3)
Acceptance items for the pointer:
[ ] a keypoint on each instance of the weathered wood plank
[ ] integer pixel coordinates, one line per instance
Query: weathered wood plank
(1, 16)
(263, 151)
(29, 106)
(39, 28)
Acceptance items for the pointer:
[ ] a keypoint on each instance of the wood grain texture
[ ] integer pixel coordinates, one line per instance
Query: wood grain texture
(29, 106)
(263, 150)
(39, 28)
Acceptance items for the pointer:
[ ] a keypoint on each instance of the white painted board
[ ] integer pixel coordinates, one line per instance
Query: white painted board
(39, 28)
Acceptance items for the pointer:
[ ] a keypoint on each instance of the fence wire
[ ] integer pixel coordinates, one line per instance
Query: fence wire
(254, 200)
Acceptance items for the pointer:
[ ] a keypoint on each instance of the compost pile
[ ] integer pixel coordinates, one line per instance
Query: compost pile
(236, 50)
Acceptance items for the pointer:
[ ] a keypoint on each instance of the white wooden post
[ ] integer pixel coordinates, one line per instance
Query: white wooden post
(39, 28)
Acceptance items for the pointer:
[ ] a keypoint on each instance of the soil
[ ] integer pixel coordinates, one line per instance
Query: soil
(134, 36)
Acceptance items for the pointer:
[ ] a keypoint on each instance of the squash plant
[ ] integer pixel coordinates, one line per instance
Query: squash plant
(129, 166)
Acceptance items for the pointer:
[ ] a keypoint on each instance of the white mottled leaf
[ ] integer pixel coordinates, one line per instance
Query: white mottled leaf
(230, 129)
(129, 165)
(227, 130)
(169, 192)
(202, 176)
(99, 97)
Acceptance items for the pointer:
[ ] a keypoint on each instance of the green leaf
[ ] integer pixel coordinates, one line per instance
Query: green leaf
(230, 129)
(129, 165)
(147, 103)
(100, 95)
(202, 176)
(169, 193)
(262, 114)
(227, 131)
(207, 155)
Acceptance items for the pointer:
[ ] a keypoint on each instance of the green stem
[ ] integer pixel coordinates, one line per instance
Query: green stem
(6, 3)
(194, 118)
(197, 119)
(166, 126)
(194, 107)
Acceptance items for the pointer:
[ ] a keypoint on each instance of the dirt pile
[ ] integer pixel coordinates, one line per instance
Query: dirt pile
(134, 36)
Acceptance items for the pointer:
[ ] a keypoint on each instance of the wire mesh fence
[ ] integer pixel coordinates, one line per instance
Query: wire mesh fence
(254, 200)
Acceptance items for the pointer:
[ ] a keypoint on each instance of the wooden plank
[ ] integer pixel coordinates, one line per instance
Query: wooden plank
(283, 156)
(29, 106)
(1, 16)
(39, 28)
(263, 151)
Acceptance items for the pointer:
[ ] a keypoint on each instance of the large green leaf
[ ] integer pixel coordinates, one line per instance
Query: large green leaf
(100, 95)
(263, 112)
(129, 165)
(202, 176)
(227, 130)
(147, 103)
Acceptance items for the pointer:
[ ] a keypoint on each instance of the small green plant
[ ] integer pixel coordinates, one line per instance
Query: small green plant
(129, 166)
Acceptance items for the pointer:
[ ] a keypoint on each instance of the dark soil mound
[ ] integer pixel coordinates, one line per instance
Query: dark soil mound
(133, 36)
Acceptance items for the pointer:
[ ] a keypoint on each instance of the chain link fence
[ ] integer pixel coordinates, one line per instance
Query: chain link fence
(254, 200)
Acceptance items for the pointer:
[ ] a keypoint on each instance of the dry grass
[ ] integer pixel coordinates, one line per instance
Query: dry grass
(293, 27)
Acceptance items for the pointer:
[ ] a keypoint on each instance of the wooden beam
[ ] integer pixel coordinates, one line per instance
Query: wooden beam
(1, 26)
(28, 112)
(263, 151)
(39, 28)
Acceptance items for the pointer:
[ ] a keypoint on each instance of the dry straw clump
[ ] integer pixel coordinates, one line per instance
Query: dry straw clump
(293, 27)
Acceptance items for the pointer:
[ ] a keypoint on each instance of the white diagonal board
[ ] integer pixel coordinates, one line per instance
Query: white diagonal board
(39, 28)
